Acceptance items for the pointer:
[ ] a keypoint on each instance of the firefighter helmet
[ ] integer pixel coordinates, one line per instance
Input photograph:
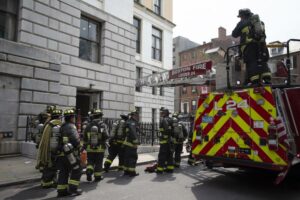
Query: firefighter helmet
(50, 109)
(56, 113)
(69, 112)
(133, 112)
(96, 113)
(244, 12)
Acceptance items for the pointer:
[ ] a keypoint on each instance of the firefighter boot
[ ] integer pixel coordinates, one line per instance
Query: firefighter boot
(106, 167)
(75, 192)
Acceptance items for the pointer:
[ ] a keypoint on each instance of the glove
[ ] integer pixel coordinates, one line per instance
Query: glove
(188, 147)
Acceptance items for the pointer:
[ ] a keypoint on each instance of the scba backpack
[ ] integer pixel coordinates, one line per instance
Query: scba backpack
(257, 28)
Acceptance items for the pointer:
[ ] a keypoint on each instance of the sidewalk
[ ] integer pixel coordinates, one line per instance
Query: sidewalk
(20, 169)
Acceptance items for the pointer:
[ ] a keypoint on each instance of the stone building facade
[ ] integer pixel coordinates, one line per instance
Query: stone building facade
(71, 53)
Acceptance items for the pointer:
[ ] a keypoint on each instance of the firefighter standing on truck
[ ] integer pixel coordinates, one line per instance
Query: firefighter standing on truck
(131, 144)
(116, 141)
(254, 50)
(47, 151)
(94, 138)
(166, 150)
(180, 134)
(68, 161)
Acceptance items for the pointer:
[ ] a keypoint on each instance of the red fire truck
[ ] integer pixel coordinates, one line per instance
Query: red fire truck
(256, 127)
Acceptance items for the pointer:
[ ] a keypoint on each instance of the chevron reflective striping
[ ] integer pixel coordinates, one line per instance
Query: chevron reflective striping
(228, 130)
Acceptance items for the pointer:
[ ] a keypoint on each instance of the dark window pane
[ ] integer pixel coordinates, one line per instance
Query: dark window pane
(94, 52)
(93, 32)
(84, 49)
(84, 31)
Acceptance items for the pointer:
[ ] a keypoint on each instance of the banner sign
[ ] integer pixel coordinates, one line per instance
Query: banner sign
(190, 71)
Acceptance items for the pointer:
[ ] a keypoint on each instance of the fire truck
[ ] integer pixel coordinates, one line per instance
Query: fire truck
(254, 127)
(245, 127)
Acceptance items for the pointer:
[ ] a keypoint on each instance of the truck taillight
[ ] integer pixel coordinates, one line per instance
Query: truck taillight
(273, 137)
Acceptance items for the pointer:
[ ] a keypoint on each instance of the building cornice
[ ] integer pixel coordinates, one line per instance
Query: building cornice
(153, 14)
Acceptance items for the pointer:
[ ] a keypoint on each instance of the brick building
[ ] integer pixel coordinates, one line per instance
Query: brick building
(213, 50)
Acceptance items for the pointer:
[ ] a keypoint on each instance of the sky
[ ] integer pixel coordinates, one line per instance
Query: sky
(199, 20)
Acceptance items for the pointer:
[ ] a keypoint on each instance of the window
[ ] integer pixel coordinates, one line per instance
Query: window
(156, 43)
(138, 76)
(295, 61)
(89, 40)
(8, 19)
(154, 88)
(137, 1)
(183, 90)
(185, 108)
(194, 89)
(157, 7)
(194, 105)
(153, 115)
(161, 91)
(137, 25)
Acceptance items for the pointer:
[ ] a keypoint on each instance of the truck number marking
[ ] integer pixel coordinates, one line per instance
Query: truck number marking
(232, 105)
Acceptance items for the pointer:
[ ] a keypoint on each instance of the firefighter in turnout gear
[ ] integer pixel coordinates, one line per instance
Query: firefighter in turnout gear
(39, 123)
(48, 149)
(94, 138)
(68, 161)
(166, 150)
(116, 141)
(131, 144)
(191, 159)
(254, 50)
(180, 134)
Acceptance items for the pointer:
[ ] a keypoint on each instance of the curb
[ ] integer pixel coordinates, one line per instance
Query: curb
(35, 179)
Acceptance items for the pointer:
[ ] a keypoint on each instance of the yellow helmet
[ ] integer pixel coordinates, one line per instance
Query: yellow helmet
(69, 112)
(56, 113)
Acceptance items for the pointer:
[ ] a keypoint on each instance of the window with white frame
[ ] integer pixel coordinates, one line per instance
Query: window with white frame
(137, 25)
(156, 44)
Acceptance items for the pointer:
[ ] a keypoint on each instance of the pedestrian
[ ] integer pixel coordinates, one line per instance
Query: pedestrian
(116, 147)
(166, 149)
(94, 142)
(131, 144)
(68, 161)
(180, 134)
(253, 47)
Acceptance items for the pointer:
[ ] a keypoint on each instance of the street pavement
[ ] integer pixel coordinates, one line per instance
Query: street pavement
(188, 182)
(19, 169)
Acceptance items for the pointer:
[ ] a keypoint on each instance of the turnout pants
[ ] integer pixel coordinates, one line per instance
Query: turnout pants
(49, 174)
(178, 151)
(94, 164)
(69, 176)
(165, 156)
(256, 65)
(130, 159)
(115, 150)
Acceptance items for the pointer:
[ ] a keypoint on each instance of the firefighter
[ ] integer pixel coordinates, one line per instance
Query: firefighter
(39, 123)
(47, 151)
(131, 144)
(94, 138)
(68, 161)
(166, 150)
(253, 50)
(116, 141)
(180, 134)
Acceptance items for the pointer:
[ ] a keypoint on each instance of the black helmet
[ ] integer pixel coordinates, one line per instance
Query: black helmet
(164, 110)
(244, 12)
(124, 116)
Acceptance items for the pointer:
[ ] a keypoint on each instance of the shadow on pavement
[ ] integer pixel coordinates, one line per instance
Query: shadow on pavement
(231, 183)
(34, 192)
(163, 177)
